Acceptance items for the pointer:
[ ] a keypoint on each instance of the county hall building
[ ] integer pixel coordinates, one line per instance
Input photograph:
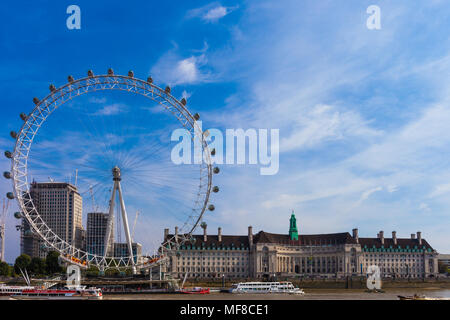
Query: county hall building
(293, 255)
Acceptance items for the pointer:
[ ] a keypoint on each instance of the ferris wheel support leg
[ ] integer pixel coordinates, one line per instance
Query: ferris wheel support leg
(107, 239)
(125, 226)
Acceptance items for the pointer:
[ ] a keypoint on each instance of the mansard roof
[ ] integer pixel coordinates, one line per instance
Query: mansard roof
(402, 243)
(309, 239)
(212, 241)
(367, 244)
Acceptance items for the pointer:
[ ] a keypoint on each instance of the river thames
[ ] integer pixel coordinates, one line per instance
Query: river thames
(310, 294)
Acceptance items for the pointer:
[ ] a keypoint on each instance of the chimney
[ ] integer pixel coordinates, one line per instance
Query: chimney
(219, 234)
(382, 237)
(419, 237)
(166, 234)
(250, 236)
(204, 232)
(176, 234)
(413, 236)
(394, 237)
(355, 235)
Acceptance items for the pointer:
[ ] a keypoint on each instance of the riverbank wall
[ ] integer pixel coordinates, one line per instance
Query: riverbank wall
(347, 283)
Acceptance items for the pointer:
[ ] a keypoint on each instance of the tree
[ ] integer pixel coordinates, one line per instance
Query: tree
(5, 270)
(92, 271)
(37, 266)
(52, 263)
(442, 267)
(112, 272)
(22, 262)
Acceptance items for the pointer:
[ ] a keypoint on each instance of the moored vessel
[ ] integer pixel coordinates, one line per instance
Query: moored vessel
(266, 287)
(194, 290)
(74, 293)
(6, 290)
(421, 297)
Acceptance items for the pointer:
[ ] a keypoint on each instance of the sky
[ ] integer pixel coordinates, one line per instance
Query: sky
(362, 114)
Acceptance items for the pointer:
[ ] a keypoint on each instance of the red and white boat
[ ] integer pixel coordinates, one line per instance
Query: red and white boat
(75, 293)
(38, 293)
(195, 290)
(6, 290)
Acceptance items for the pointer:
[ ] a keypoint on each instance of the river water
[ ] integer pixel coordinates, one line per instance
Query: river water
(310, 294)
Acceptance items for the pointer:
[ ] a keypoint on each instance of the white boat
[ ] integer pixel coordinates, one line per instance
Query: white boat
(72, 293)
(266, 287)
(6, 290)
(30, 292)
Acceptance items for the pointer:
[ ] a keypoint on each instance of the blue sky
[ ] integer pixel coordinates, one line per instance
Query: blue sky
(363, 114)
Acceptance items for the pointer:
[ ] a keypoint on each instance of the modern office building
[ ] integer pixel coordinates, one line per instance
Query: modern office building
(335, 255)
(61, 207)
(95, 232)
(121, 250)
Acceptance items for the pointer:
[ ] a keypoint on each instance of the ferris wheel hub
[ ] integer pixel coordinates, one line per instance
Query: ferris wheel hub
(116, 174)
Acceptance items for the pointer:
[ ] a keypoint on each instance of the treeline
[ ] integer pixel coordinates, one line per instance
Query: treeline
(34, 266)
(49, 266)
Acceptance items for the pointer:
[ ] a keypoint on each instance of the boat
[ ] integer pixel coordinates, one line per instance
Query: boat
(6, 290)
(194, 290)
(421, 297)
(30, 292)
(266, 287)
(72, 293)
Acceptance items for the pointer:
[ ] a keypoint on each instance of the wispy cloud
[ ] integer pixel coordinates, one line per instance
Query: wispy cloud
(368, 193)
(173, 69)
(111, 109)
(352, 123)
(325, 123)
(211, 12)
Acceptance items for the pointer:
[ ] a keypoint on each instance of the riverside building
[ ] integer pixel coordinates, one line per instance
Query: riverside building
(334, 255)
(95, 232)
(61, 207)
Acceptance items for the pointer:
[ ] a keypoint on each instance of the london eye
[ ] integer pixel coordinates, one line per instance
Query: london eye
(118, 162)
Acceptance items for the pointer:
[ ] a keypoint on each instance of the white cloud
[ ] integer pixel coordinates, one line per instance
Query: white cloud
(111, 109)
(325, 123)
(392, 188)
(174, 70)
(216, 13)
(97, 100)
(368, 193)
(346, 99)
(211, 12)
(440, 190)
(186, 94)
(424, 207)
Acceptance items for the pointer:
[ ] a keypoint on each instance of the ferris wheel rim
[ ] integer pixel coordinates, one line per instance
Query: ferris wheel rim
(24, 141)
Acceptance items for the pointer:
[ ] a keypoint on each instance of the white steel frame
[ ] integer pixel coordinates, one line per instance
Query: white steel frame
(37, 117)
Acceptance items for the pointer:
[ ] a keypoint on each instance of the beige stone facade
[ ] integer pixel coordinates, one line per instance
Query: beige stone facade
(334, 255)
